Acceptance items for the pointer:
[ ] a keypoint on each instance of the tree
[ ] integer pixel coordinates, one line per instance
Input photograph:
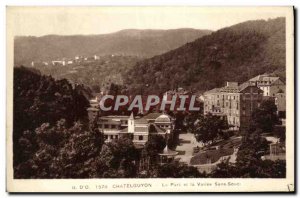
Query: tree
(118, 158)
(209, 128)
(191, 119)
(259, 169)
(176, 170)
(42, 99)
(77, 155)
(154, 146)
(225, 170)
(265, 116)
(249, 163)
(42, 148)
(61, 152)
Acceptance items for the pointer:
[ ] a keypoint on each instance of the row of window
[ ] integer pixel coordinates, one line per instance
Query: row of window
(164, 126)
(112, 137)
(228, 97)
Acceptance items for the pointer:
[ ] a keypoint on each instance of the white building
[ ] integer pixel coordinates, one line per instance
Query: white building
(271, 85)
(140, 129)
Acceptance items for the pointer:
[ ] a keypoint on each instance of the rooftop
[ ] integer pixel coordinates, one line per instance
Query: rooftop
(152, 116)
(265, 77)
(230, 88)
(168, 152)
(163, 119)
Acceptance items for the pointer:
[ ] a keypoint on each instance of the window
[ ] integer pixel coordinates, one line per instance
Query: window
(105, 137)
(140, 137)
(106, 126)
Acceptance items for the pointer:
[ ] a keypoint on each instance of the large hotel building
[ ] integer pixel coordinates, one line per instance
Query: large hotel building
(236, 103)
(233, 102)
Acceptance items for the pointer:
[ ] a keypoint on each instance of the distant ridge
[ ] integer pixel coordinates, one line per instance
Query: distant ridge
(144, 43)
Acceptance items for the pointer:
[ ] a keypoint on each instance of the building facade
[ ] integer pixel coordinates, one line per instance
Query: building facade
(233, 102)
(140, 129)
(270, 85)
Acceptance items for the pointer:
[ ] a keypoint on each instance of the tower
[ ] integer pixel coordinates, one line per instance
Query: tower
(131, 124)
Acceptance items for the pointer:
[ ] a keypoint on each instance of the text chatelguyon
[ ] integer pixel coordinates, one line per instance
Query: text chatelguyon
(144, 103)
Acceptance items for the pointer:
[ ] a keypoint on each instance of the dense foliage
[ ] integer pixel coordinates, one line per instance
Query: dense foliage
(236, 53)
(249, 163)
(209, 127)
(41, 99)
(59, 151)
(265, 117)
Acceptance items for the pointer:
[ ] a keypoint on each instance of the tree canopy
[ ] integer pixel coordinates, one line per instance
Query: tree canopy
(209, 127)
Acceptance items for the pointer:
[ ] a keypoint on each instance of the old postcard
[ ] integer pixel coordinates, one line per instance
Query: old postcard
(150, 99)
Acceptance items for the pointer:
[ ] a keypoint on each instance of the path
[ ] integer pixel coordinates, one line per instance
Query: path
(185, 148)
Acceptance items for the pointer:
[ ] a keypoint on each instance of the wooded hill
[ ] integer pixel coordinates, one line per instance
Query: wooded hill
(235, 53)
(130, 42)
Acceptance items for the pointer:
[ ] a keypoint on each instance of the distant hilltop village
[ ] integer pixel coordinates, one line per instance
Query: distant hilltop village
(75, 60)
(66, 61)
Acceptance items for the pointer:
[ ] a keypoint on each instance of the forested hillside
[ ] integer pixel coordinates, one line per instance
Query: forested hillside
(236, 53)
(41, 99)
(97, 74)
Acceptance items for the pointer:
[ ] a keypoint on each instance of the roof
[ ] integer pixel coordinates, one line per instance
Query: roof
(168, 151)
(152, 116)
(210, 155)
(125, 130)
(264, 77)
(215, 90)
(141, 121)
(163, 118)
(103, 121)
(244, 86)
(120, 117)
(231, 89)
(140, 129)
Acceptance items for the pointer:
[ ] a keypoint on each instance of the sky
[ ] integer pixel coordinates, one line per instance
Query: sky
(39, 21)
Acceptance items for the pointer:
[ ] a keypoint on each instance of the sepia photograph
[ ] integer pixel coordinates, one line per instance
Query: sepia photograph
(150, 99)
